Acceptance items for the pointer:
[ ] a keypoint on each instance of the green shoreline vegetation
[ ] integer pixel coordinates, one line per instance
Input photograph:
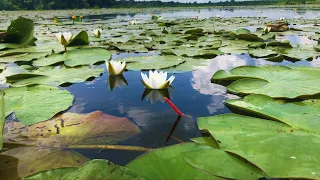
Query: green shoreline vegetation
(96, 4)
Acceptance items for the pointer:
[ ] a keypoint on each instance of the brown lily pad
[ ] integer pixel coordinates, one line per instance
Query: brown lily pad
(47, 144)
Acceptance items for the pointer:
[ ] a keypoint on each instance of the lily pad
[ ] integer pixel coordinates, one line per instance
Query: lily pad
(152, 62)
(81, 39)
(22, 57)
(20, 31)
(262, 53)
(83, 56)
(192, 161)
(273, 81)
(50, 141)
(168, 163)
(95, 169)
(2, 118)
(36, 103)
(54, 76)
(302, 115)
(269, 145)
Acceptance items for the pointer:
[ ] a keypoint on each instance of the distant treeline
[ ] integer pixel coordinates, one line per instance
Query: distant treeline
(80, 4)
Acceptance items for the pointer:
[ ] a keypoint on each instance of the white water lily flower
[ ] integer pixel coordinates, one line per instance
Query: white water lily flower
(156, 80)
(64, 38)
(97, 32)
(134, 22)
(267, 30)
(282, 19)
(218, 16)
(116, 67)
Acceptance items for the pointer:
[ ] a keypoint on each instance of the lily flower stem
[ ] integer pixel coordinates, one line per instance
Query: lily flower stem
(173, 107)
(65, 48)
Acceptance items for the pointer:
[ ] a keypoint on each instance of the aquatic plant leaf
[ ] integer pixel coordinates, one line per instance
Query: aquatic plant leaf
(36, 103)
(72, 129)
(273, 81)
(95, 169)
(303, 115)
(261, 53)
(191, 161)
(269, 145)
(35, 159)
(20, 31)
(22, 57)
(55, 77)
(2, 117)
(81, 39)
(168, 163)
(48, 143)
(152, 62)
(77, 57)
(301, 54)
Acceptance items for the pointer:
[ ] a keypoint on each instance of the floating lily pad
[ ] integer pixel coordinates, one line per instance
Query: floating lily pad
(191, 161)
(152, 62)
(262, 53)
(37, 103)
(273, 81)
(301, 53)
(51, 140)
(55, 76)
(3, 116)
(168, 163)
(95, 169)
(22, 57)
(83, 56)
(269, 145)
(302, 115)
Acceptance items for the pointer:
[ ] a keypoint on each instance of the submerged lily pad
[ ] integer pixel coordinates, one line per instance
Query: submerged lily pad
(95, 169)
(55, 76)
(152, 62)
(51, 140)
(267, 144)
(83, 56)
(36, 103)
(273, 81)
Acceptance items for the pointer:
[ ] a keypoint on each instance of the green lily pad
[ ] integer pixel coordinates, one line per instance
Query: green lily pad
(196, 52)
(301, 53)
(95, 169)
(192, 161)
(269, 145)
(22, 57)
(273, 81)
(83, 56)
(168, 163)
(54, 76)
(261, 53)
(152, 62)
(302, 115)
(20, 31)
(81, 39)
(49, 142)
(3, 117)
(37, 103)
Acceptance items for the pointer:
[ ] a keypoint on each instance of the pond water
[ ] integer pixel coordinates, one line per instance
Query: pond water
(270, 13)
(192, 92)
